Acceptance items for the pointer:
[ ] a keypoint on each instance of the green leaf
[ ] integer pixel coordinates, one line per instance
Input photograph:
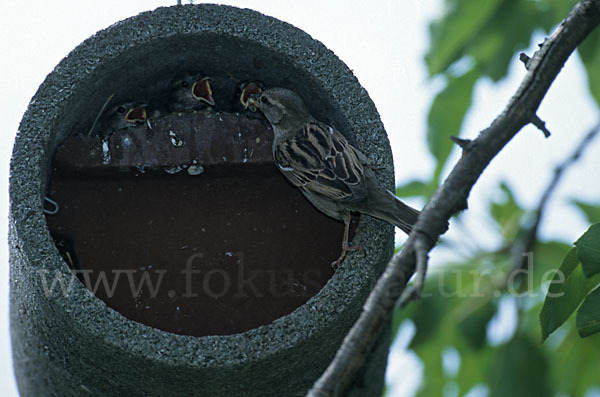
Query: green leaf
(558, 8)
(564, 294)
(399, 316)
(589, 51)
(432, 383)
(490, 46)
(495, 46)
(444, 292)
(507, 213)
(415, 188)
(446, 116)
(427, 318)
(519, 369)
(451, 34)
(576, 360)
(588, 315)
(588, 250)
(474, 326)
(474, 365)
(545, 255)
(591, 212)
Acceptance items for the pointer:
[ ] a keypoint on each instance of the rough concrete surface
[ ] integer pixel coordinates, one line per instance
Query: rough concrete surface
(74, 344)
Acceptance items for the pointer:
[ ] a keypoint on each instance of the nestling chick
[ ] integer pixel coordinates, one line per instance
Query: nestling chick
(190, 91)
(332, 174)
(122, 116)
(248, 89)
(241, 101)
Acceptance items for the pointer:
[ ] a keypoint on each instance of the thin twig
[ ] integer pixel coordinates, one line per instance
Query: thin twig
(526, 243)
(540, 124)
(463, 143)
(102, 109)
(451, 197)
(525, 59)
(421, 257)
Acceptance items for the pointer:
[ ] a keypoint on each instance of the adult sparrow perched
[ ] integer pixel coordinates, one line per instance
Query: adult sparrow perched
(190, 91)
(332, 174)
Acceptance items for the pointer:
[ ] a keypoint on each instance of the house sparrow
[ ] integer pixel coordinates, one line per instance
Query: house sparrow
(241, 100)
(190, 91)
(122, 116)
(248, 89)
(332, 174)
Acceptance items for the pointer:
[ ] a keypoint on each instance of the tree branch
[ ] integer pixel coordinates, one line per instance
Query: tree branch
(452, 196)
(541, 125)
(528, 241)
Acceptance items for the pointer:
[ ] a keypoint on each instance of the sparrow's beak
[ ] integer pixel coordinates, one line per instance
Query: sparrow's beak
(201, 91)
(136, 114)
(253, 101)
(250, 90)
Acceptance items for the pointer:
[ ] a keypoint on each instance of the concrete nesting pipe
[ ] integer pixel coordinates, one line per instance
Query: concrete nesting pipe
(74, 343)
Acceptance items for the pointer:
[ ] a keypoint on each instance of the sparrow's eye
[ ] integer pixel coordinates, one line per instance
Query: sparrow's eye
(120, 109)
(264, 100)
(185, 84)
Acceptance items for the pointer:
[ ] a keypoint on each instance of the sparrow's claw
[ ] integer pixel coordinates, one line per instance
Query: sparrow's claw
(351, 248)
(345, 249)
(336, 263)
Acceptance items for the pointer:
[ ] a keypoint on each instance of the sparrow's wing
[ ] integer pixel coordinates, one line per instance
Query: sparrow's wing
(320, 160)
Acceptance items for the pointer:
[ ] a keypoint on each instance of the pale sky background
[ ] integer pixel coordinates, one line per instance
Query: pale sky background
(384, 43)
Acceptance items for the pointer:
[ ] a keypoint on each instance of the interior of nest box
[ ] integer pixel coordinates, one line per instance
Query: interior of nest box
(182, 221)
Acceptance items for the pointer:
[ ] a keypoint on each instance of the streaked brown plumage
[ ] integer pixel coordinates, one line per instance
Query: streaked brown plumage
(332, 174)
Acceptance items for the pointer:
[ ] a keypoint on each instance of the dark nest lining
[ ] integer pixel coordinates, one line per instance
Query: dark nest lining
(310, 243)
(185, 224)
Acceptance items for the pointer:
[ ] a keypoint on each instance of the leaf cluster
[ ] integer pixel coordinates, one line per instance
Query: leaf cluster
(463, 303)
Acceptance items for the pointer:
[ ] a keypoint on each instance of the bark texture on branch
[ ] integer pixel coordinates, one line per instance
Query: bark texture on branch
(452, 196)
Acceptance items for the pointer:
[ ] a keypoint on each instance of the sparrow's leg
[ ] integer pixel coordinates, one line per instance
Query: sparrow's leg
(345, 246)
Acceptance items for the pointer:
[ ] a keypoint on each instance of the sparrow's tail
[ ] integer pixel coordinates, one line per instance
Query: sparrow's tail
(400, 214)
(384, 205)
